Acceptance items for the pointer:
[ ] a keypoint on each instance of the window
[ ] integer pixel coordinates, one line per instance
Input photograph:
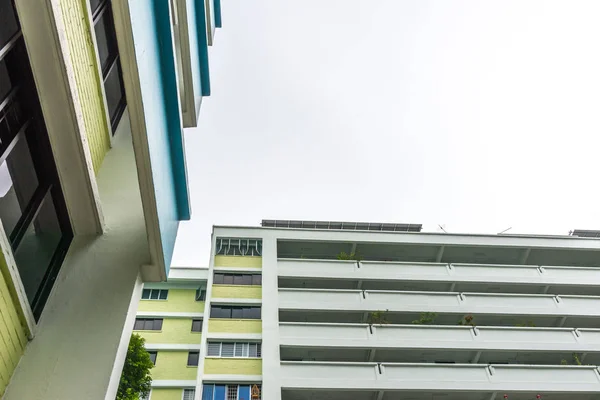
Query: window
(232, 392)
(193, 357)
(32, 206)
(155, 294)
(239, 247)
(189, 394)
(110, 64)
(235, 312)
(201, 295)
(234, 349)
(221, 278)
(196, 325)
(148, 324)
(152, 356)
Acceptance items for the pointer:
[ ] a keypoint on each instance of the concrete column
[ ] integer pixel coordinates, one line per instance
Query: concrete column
(271, 388)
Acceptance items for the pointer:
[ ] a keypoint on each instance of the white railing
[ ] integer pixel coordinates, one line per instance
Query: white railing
(438, 337)
(440, 302)
(438, 272)
(448, 377)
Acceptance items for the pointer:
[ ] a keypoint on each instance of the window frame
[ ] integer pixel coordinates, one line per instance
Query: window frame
(104, 8)
(245, 310)
(185, 391)
(154, 321)
(201, 294)
(23, 98)
(191, 355)
(237, 279)
(159, 294)
(153, 355)
(195, 321)
(242, 348)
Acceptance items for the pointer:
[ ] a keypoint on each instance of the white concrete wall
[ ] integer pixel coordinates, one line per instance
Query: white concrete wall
(428, 377)
(446, 302)
(80, 346)
(437, 272)
(315, 335)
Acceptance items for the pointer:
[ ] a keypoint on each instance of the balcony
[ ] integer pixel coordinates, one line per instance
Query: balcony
(374, 275)
(434, 343)
(423, 381)
(321, 305)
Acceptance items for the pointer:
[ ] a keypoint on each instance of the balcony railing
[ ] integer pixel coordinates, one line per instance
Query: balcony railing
(438, 302)
(455, 377)
(523, 275)
(327, 335)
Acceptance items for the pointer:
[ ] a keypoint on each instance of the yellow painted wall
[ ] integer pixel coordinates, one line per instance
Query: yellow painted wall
(233, 366)
(236, 291)
(174, 330)
(235, 325)
(87, 77)
(238, 261)
(166, 394)
(178, 300)
(173, 365)
(13, 333)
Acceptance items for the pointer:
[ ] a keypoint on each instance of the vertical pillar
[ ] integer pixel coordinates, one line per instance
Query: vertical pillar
(271, 388)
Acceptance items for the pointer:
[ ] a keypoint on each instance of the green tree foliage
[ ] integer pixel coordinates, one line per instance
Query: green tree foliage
(377, 317)
(426, 318)
(135, 378)
(352, 256)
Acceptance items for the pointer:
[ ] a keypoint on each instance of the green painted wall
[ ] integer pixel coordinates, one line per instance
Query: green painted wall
(233, 366)
(166, 394)
(237, 291)
(235, 325)
(13, 333)
(173, 365)
(238, 261)
(87, 78)
(174, 330)
(178, 300)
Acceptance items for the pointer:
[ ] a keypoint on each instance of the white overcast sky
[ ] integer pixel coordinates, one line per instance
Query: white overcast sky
(476, 115)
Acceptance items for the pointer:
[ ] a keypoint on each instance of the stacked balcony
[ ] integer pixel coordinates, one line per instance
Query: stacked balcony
(401, 330)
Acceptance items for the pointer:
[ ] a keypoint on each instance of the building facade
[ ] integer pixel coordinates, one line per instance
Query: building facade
(94, 98)
(318, 310)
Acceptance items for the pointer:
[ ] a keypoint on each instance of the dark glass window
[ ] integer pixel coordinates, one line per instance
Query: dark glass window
(148, 324)
(152, 355)
(5, 81)
(115, 93)
(236, 279)
(94, 5)
(251, 313)
(32, 206)
(9, 26)
(201, 295)
(220, 312)
(193, 357)
(18, 183)
(235, 312)
(108, 51)
(155, 294)
(197, 325)
(107, 44)
(37, 246)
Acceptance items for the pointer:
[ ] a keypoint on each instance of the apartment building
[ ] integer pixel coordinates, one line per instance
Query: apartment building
(300, 310)
(94, 98)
